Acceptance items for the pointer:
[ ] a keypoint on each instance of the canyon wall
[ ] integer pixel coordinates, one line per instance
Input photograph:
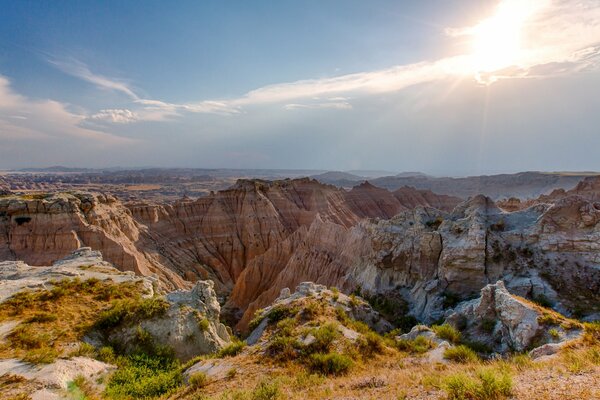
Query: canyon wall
(259, 237)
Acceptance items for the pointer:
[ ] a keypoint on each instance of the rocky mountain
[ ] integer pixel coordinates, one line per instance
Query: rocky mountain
(430, 258)
(213, 237)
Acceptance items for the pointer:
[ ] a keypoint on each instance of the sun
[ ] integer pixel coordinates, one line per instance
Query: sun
(497, 41)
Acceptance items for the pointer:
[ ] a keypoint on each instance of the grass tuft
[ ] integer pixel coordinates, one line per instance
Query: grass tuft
(460, 354)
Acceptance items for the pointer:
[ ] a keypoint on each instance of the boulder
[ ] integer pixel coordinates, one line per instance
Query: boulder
(190, 326)
(498, 319)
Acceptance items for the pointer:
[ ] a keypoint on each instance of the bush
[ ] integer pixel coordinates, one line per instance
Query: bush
(460, 354)
(266, 391)
(447, 332)
(370, 343)
(420, 344)
(487, 385)
(142, 376)
(203, 324)
(131, 311)
(279, 312)
(324, 338)
(232, 349)
(284, 347)
(554, 334)
(330, 363)
(198, 380)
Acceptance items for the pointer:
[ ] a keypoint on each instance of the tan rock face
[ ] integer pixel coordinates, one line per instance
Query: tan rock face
(215, 237)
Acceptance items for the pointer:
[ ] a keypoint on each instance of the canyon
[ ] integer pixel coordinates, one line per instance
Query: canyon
(258, 237)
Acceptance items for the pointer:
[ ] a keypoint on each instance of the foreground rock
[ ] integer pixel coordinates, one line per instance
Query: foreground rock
(83, 264)
(127, 314)
(354, 307)
(504, 323)
(190, 326)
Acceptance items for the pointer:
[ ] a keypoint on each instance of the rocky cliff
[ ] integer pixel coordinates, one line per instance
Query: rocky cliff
(215, 237)
(259, 237)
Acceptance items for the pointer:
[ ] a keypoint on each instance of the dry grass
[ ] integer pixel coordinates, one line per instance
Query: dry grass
(52, 319)
(572, 374)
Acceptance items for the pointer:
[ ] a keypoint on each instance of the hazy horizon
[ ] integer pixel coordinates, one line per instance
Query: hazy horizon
(446, 87)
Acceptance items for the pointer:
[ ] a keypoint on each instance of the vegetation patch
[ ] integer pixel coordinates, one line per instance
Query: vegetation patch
(487, 384)
(142, 376)
(330, 363)
(418, 345)
(447, 332)
(232, 349)
(460, 354)
(56, 317)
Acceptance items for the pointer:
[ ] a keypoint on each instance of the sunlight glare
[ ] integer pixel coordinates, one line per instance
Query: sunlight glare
(497, 41)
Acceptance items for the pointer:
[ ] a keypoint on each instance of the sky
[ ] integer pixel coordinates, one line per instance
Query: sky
(446, 87)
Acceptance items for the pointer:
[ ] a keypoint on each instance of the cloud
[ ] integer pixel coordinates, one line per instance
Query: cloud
(82, 71)
(336, 103)
(118, 116)
(22, 118)
(559, 37)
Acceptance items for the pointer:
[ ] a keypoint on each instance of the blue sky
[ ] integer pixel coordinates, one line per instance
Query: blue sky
(393, 85)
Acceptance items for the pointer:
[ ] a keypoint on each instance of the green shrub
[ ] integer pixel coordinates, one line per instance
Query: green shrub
(370, 343)
(330, 363)
(231, 373)
(132, 310)
(84, 350)
(460, 354)
(311, 310)
(487, 385)
(142, 376)
(198, 380)
(284, 347)
(324, 337)
(447, 332)
(106, 354)
(258, 317)
(27, 337)
(232, 349)
(80, 388)
(477, 347)
(420, 344)
(203, 324)
(279, 312)
(554, 334)
(267, 390)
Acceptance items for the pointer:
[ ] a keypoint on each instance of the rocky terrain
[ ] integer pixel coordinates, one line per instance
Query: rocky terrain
(488, 280)
(213, 237)
(48, 337)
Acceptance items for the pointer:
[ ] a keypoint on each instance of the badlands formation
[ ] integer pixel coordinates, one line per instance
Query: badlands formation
(485, 280)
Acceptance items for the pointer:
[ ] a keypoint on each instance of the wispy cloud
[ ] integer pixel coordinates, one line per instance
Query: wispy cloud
(559, 37)
(333, 103)
(118, 116)
(80, 70)
(23, 118)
